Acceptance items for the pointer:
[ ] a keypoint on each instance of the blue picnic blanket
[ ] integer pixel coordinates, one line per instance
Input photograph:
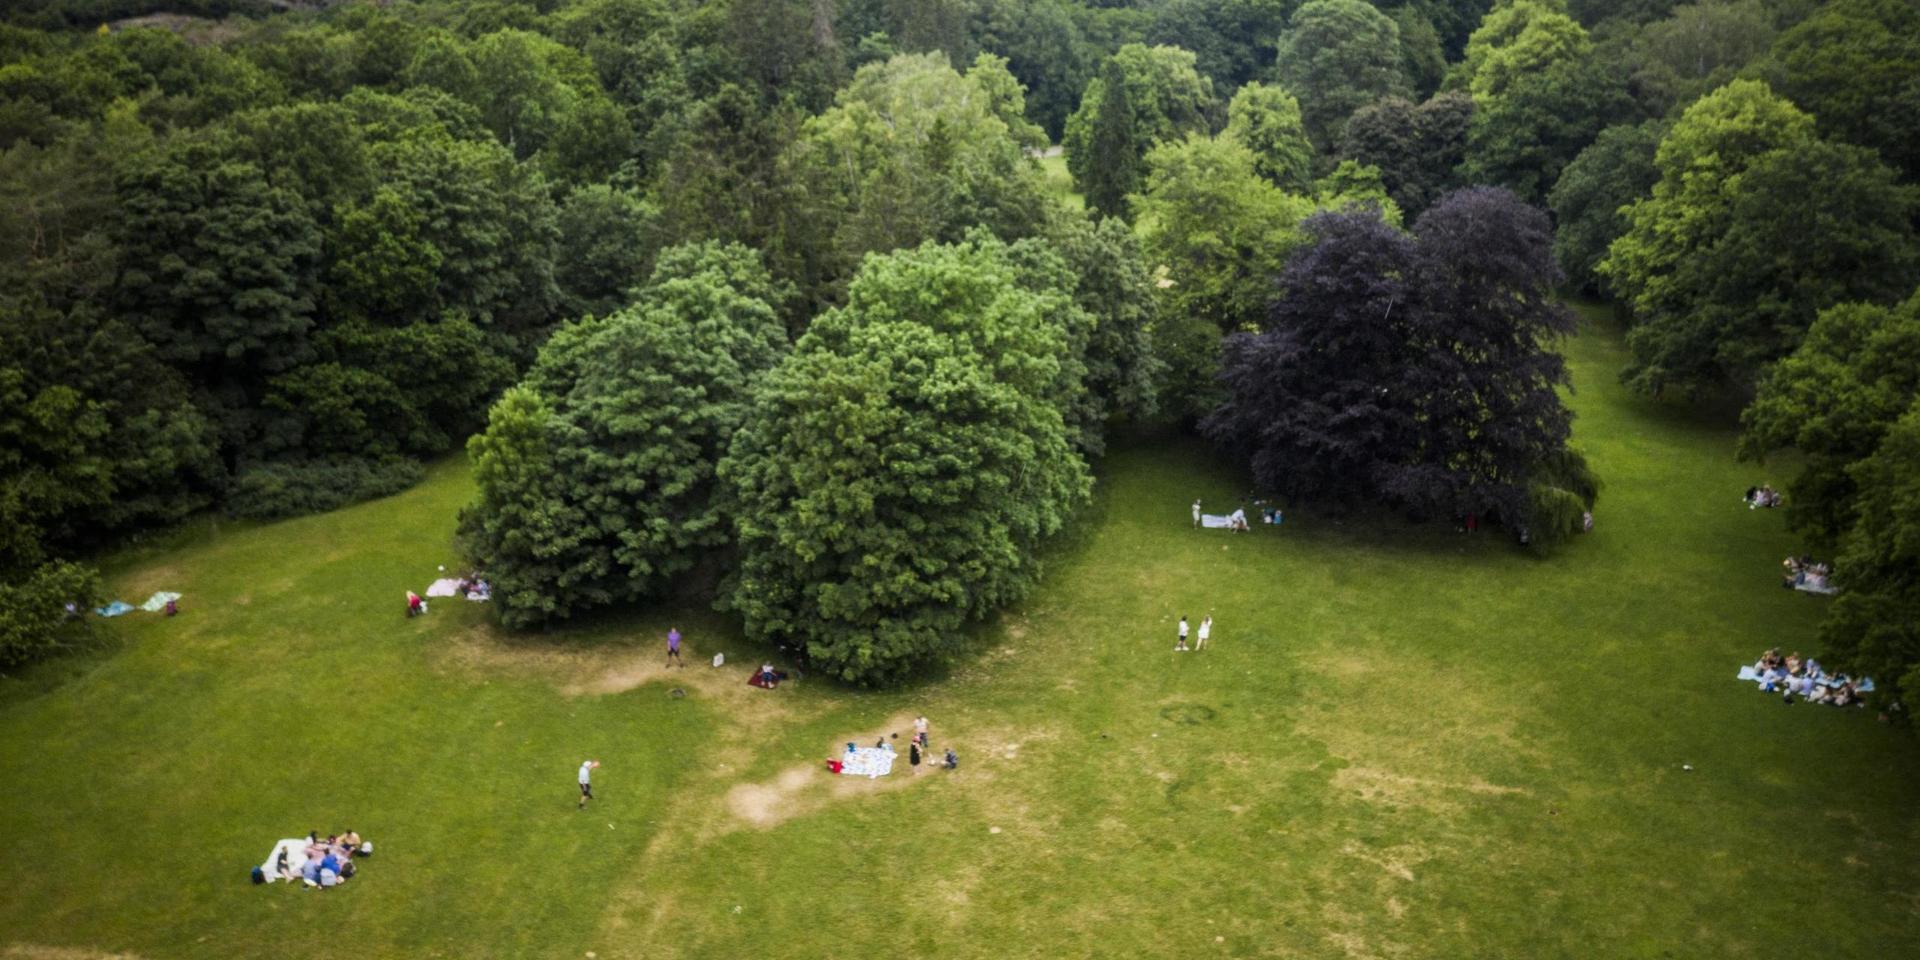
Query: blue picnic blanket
(114, 609)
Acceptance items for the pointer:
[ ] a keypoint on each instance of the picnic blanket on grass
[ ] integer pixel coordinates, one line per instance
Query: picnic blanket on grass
(1216, 521)
(159, 601)
(1826, 589)
(114, 609)
(869, 762)
(296, 851)
(443, 587)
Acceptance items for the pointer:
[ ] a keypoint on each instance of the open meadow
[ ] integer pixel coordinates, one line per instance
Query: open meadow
(1402, 742)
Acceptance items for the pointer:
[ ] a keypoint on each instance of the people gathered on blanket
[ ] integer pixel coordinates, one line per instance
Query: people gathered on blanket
(1805, 573)
(1762, 496)
(329, 862)
(1792, 677)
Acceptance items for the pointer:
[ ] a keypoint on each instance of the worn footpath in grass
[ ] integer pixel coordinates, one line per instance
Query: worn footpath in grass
(1403, 742)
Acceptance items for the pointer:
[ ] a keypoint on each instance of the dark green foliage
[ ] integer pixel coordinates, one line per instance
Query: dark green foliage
(1874, 628)
(596, 475)
(1415, 148)
(902, 466)
(608, 238)
(1336, 57)
(1594, 190)
(1113, 173)
(1168, 96)
(1833, 400)
(271, 491)
(1855, 66)
(35, 618)
(1525, 136)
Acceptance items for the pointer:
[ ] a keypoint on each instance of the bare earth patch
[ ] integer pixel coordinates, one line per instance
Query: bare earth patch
(1373, 784)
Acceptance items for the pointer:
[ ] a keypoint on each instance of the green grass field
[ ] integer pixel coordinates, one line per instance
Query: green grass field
(1404, 743)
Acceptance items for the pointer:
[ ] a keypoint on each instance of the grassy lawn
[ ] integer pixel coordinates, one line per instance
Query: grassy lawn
(1404, 743)
(1053, 172)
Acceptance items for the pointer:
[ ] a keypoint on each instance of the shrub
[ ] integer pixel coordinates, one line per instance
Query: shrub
(271, 491)
(34, 619)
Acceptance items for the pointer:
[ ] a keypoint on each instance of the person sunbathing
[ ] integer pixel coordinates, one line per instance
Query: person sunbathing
(1844, 695)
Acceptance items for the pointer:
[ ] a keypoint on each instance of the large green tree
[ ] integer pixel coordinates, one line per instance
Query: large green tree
(1168, 95)
(1267, 121)
(1833, 400)
(1417, 149)
(596, 475)
(1728, 261)
(1874, 627)
(1855, 66)
(901, 468)
(1336, 57)
(1589, 200)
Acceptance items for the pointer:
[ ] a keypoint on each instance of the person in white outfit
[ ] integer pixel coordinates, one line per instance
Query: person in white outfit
(1181, 644)
(1196, 514)
(1206, 630)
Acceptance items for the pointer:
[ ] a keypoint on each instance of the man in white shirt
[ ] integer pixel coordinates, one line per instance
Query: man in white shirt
(1181, 644)
(586, 782)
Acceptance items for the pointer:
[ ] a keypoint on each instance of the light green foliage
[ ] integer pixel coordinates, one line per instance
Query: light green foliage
(901, 468)
(1356, 186)
(1589, 201)
(1731, 257)
(597, 473)
(1266, 120)
(1518, 38)
(1833, 400)
(1006, 99)
(1540, 96)
(1217, 234)
(913, 151)
(1220, 231)
(1169, 98)
(1336, 57)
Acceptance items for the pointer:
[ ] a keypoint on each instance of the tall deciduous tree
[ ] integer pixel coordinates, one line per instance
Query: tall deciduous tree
(902, 466)
(617, 432)
(1267, 121)
(1587, 202)
(1874, 627)
(1834, 399)
(1416, 148)
(1114, 171)
(1855, 66)
(1169, 98)
(1336, 57)
(1414, 371)
(1730, 259)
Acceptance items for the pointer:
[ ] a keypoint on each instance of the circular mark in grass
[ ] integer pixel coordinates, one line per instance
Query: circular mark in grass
(676, 693)
(1188, 714)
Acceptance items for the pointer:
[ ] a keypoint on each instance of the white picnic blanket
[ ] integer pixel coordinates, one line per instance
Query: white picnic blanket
(1748, 673)
(158, 601)
(869, 762)
(296, 851)
(1824, 588)
(1215, 521)
(443, 587)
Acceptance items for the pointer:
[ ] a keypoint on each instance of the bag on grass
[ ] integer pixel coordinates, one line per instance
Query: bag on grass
(259, 875)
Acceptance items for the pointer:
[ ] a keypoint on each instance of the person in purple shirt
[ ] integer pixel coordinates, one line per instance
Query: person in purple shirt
(673, 648)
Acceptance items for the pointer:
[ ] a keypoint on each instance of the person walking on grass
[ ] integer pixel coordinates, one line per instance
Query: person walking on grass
(673, 648)
(1181, 644)
(1196, 514)
(920, 731)
(586, 782)
(1206, 630)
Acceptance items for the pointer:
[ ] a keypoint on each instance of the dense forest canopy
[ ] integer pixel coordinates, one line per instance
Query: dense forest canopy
(670, 263)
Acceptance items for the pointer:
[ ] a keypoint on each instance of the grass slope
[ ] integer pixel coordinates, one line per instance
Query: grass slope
(1405, 743)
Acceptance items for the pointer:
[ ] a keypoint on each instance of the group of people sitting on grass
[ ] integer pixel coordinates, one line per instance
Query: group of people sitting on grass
(1805, 573)
(1762, 496)
(329, 862)
(1793, 677)
(917, 748)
